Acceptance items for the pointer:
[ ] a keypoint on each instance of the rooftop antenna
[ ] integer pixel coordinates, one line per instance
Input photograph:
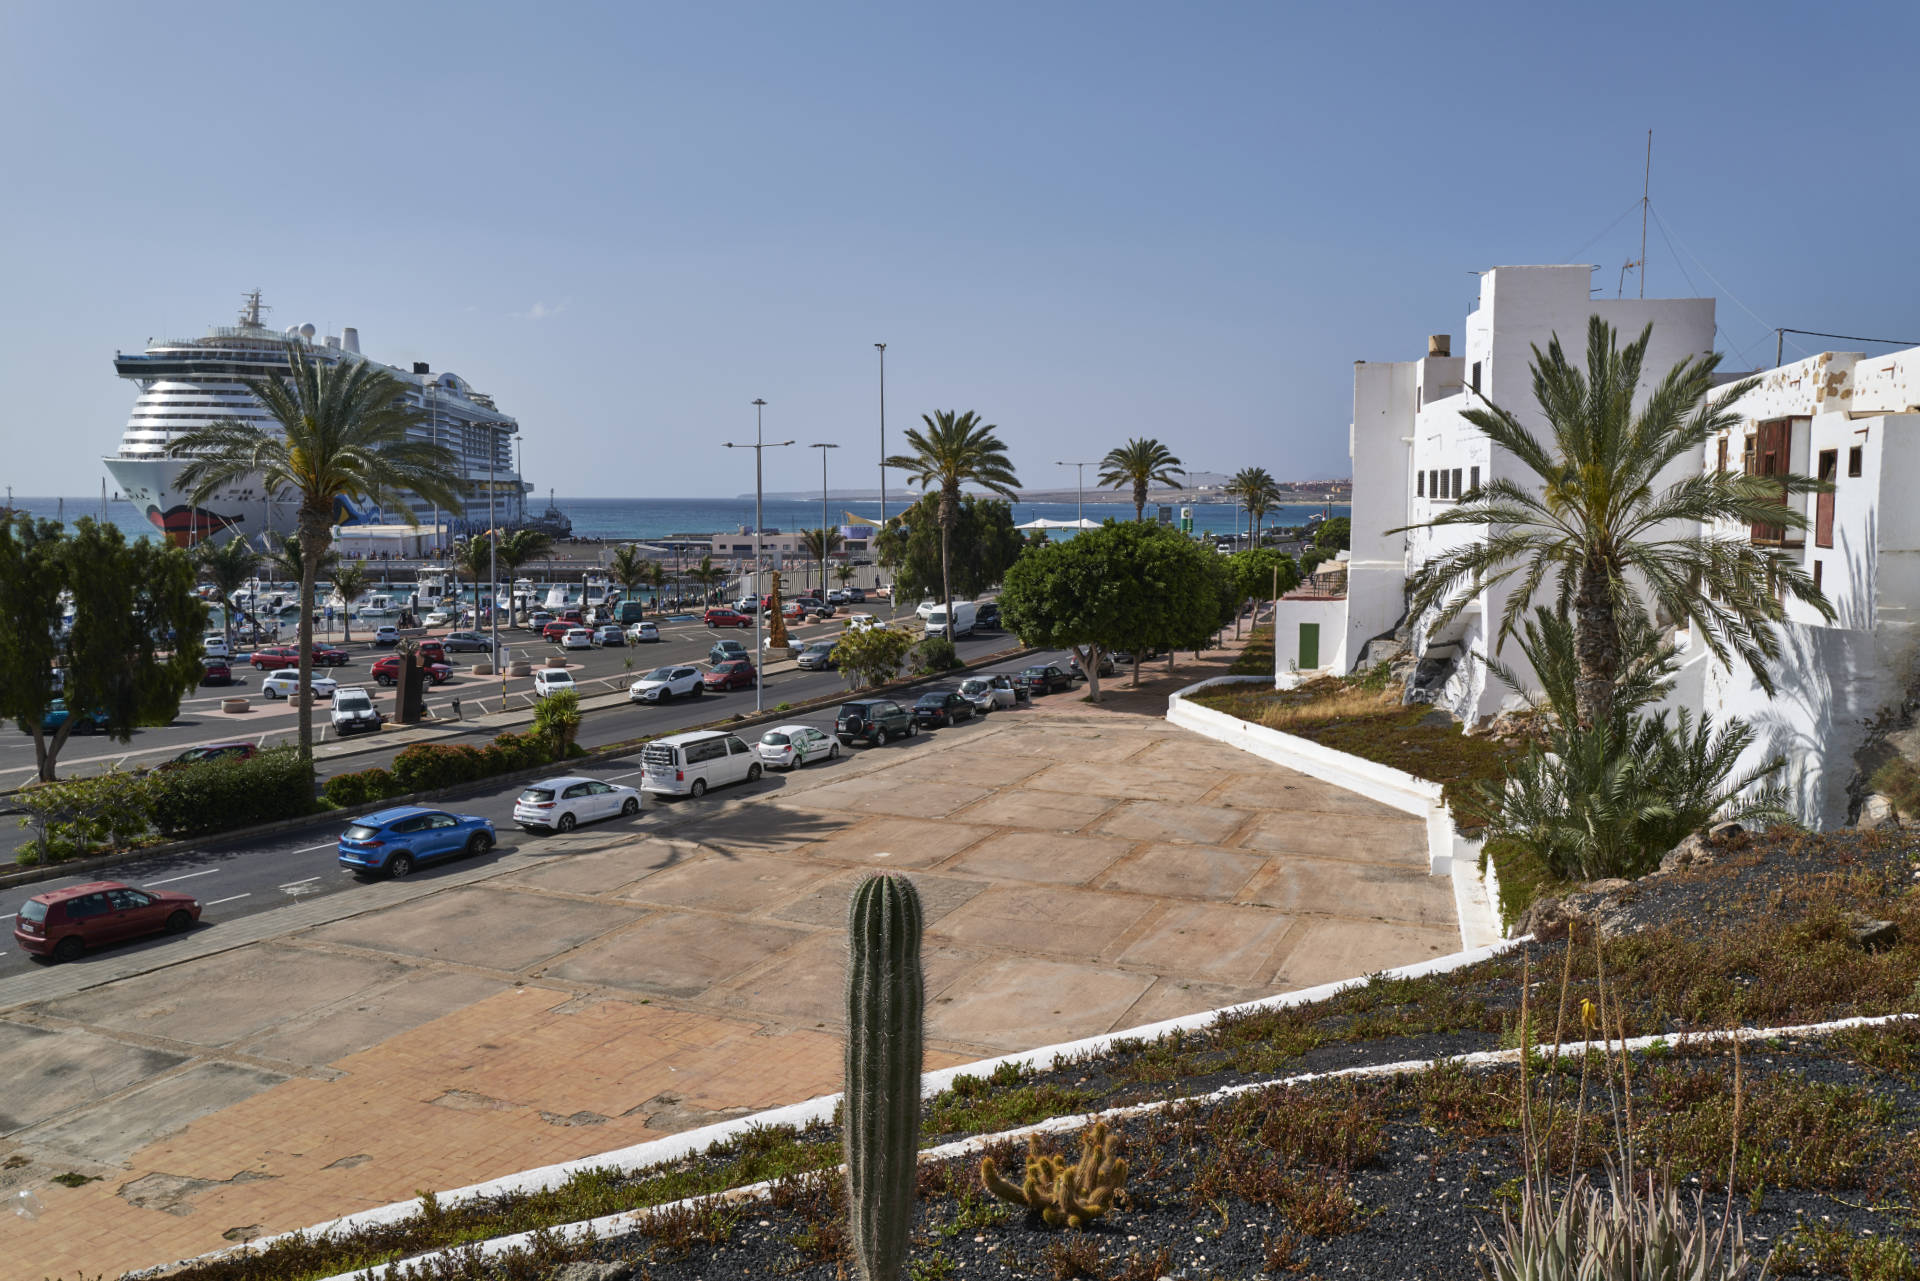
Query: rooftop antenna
(250, 314)
(1646, 190)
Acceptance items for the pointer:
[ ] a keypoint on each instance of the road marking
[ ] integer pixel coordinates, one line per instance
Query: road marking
(629, 774)
(189, 876)
(308, 881)
(8, 916)
(311, 848)
(217, 902)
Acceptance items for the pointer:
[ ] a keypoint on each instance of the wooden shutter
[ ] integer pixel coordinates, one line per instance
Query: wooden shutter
(1770, 459)
(1823, 503)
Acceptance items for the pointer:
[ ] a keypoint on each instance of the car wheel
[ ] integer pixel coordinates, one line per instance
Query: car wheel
(479, 843)
(833, 751)
(68, 949)
(700, 689)
(399, 865)
(565, 824)
(179, 922)
(698, 789)
(753, 772)
(913, 731)
(631, 808)
(879, 738)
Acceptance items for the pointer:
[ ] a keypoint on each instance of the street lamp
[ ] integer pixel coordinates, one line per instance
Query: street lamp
(883, 433)
(759, 651)
(1080, 490)
(823, 515)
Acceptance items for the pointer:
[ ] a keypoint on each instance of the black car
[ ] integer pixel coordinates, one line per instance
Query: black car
(942, 707)
(987, 617)
(1074, 670)
(726, 651)
(873, 721)
(1043, 680)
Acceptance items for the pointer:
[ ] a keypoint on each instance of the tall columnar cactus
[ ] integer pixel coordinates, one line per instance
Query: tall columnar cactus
(880, 1119)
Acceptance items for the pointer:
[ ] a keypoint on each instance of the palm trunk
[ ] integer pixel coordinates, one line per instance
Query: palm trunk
(314, 540)
(1596, 643)
(1139, 501)
(949, 517)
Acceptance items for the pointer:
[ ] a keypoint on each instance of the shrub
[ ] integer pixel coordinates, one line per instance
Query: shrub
(557, 719)
(212, 796)
(935, 654)
(427, 767)
(520, 751)
(349, 790)
(82, 816)
(872, 655)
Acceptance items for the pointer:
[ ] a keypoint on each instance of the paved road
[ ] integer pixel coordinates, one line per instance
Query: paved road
(237, 878)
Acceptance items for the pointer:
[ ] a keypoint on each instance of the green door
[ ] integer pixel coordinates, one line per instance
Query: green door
(1309, 645)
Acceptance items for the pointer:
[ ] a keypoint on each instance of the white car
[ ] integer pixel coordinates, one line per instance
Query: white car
(577, 638)
(285, 683)
(987, 693)
(663, 683)
(641, 633)
(791, 746)
(551, 680)
(861, 622)
(386, 634)
(557, 804)
(214, 645)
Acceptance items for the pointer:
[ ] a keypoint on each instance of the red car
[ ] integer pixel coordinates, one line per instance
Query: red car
(795, 612)
(558, 628)
(387, 671)
(64, 923)
(279, 657)
(735, 674)
(726, 618)
(217, 673)
(431, 651)
(570, 616)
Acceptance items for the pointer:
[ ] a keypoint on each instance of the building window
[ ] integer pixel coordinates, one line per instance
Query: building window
(1476, 378)
(1419, 484)
(1456, 482)
(1854, 457)
(1823, 503)
(1723, 453)
(1816, 576)
(1433, 484)
(1474, 479)
(1747, 451)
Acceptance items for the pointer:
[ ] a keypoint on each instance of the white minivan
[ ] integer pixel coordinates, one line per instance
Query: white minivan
(963, 616)
(688, 764)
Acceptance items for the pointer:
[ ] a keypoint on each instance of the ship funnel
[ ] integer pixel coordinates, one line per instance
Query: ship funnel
(350, 339)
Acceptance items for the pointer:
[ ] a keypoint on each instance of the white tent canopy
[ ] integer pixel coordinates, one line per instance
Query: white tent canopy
(1044, 523)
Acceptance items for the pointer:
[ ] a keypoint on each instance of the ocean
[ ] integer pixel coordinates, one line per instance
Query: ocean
(644, 518)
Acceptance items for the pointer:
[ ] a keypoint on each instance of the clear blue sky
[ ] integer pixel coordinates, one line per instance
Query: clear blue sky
(1083, 221)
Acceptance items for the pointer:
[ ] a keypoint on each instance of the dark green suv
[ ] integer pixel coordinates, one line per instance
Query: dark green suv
(873, 721)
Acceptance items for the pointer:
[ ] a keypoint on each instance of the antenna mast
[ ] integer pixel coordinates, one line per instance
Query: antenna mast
(1645, 192)
(250, 314)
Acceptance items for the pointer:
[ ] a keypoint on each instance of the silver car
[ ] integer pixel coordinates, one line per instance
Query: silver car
(987, 692)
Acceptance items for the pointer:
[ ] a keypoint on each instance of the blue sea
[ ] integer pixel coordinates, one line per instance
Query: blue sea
(644, 518)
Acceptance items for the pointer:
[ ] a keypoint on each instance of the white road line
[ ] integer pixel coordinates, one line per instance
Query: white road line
(308, 881)
(6, 916)
(629, 774)
(187, 877)
(217, 902)
(311, 848)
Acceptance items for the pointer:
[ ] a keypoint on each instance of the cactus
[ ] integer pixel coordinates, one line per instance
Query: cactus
(1067, 1195)
(881, 1112)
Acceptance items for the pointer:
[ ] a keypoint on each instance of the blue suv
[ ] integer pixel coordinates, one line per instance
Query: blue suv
(393, 842)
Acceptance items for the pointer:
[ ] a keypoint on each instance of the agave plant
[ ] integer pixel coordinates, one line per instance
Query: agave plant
(1619, 1234)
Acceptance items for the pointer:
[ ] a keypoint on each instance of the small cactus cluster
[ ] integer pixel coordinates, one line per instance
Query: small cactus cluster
(880, 1116)
(1067, 1195)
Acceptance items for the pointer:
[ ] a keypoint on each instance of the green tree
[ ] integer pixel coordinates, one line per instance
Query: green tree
(285, 558)
(556, 718)
(1260, 573)
(227, 566)
(820, 544)
(521, 547)
(708, 575)
(474, 558)
(1122, 586)
(1599, 526)
(629, 567)
(1334, 535)
(955, 449)
(843, 574)
(1140, 463)
(341, 433)
(1258, 492)
(984, 546)
(134, 651)
(872, 655)
(351, 582)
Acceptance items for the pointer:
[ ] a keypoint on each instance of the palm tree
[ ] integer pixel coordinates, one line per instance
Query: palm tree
(1597, 518)
(843, 574)
(227, 566)
(341, 432)
(284, 557)
(1140, 463)
(474, 558)
(954, 449)
(351, 581)
(1257, 492)
(820, 544)
(708, 575)
(629, 567)
(516, 549)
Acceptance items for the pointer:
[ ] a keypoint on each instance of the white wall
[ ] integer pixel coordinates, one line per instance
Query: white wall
(1380, 446)
(1331, 615)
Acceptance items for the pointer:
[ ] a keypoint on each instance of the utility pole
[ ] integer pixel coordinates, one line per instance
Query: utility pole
(823, 516)
(883, 433)
(759, 606)
(1646, 191)
(1080, 488)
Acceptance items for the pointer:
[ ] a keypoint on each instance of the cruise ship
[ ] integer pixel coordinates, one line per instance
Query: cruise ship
(189, 383)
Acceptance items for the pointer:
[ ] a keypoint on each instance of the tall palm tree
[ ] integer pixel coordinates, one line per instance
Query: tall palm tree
(820, 544)
(520, 547)
(629, 567)
(1597, 523)
(1140, 463)
(954, 449)
(474, 558)
(227, 566)
(351, 581)
(708, 575)
(284, 557)
(1258, 492)
(843, 574)
(341, 433)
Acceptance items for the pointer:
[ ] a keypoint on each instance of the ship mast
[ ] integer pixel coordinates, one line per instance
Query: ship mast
(250, 313)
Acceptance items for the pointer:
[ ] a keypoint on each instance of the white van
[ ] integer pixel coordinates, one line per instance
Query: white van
(964, 613)
(688, 764)
(353, 709)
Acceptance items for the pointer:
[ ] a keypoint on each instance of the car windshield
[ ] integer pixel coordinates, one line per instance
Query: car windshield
(361, 832)
(659, 674)
(932, 700)
(352, 699)
(33, 910)
(973, 687)
(537, 794)
(559, 678)
(774, 738)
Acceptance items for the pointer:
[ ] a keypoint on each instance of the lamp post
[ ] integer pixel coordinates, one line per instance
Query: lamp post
(883, 432)
(493, 569)
(759, 654)
(823, 514)
(1079, 489)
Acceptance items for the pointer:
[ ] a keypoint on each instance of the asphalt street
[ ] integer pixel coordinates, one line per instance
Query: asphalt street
(235, 878)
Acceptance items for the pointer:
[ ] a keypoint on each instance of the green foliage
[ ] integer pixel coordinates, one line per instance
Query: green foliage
(880, 1115)
(349, 791)
(1257, 491)
(1256, 657)
(227, 566)
(82, 816)
(1899, 782)
(984, 546)
(556, 718)
(221, 794)
(1622, 1234)
(1312, 558)
(31, 576)
(1335, 535)
(285, 558)
(1256, 572)
(427, 767)
(954, 450)
(1069, 1196)
(934, 654)
(872, 655)
(351, 580)
(1137, 465)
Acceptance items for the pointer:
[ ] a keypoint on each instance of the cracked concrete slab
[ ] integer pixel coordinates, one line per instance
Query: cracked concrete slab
(110, 1132)
(676, 955)
(1224, 942)
(371, 1017)
(1024, 1001)
(1047, 857)
(1168, 821)
(49, 1071)
(1045, 811)
(494, 928)
(1398, 840)
(905, 842)
(1047, 919)
(1185, 871)
(743, 883)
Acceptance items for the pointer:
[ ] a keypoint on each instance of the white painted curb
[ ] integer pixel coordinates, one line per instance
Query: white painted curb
(615, 1224)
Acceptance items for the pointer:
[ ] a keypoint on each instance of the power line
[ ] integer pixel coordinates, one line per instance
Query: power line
(1609, 227)
(1815, 333)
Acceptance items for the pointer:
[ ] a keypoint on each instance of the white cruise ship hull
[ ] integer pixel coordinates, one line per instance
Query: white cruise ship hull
(152, 485)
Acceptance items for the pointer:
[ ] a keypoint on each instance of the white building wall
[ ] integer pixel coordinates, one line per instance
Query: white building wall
(1380, 444)
(1329, 615)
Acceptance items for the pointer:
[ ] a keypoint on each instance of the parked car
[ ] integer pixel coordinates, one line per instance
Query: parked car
(791, 746)
(1073, 666)
(725, 618)
(214, 645)
(212, 752)
(663, 683)
(747, 605)
(386, 635)
(859, 622)
(438, 618)
(217, 672)
(393, 842)
(925, 607)
(793, 612)
(942, 707)
(735, 673)
(688, 764)
(1124, 657)
(814, 605)
(557, 804)
(431, 651)
(725, 651)
(551, 680)
(872, 721)
(1044, 679)
(387, 670)
(462, 642)
(577, 638)
(353, 710)
(964, 617)
(838, 596)
(286, 684)
(985, 695)
(556, 631)
(64, 923)
(276, 658)
(855, 596)
(538, 620)
(816, 657)
(643, 633)
(609, 636)
(986, 617)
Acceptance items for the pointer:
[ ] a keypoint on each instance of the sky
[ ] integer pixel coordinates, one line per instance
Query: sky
(1085, 222)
